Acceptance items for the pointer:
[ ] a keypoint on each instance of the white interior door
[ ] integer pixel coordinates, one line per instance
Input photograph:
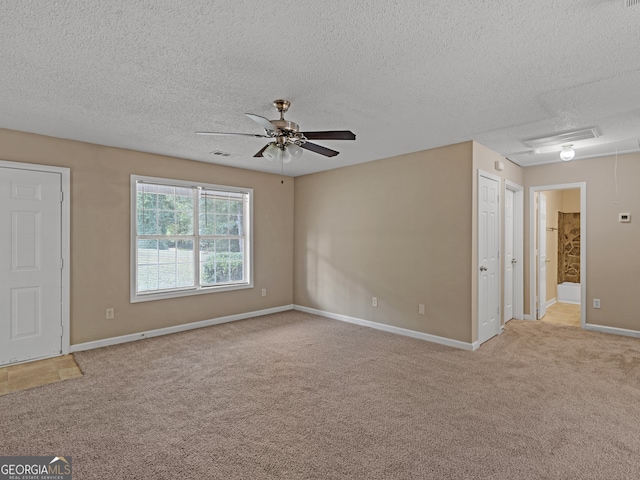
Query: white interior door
(488, 258)
(30, 265)
(509, 256)
(542, 255)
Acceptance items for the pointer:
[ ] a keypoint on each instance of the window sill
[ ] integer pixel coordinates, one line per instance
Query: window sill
(137, 298)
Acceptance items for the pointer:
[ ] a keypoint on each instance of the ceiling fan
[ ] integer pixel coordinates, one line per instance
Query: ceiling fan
(288, 141)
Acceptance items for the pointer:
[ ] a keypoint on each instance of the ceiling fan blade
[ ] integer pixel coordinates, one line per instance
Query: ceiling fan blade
(233, 134)
(259, 154)
(263, 122)
(331, 135)
(327, 152)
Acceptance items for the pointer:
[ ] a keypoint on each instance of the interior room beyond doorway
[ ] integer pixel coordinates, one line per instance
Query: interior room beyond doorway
(558, 286)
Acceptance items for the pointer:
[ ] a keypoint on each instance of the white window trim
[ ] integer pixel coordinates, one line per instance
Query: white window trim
(136, 297)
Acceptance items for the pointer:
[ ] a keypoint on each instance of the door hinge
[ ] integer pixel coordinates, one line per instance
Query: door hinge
(61, 196)
(61, 263)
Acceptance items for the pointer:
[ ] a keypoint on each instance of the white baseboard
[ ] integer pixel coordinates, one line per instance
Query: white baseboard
(177, 328)
(528, 317)
(388, 328)
(550, 302)
(612, 330)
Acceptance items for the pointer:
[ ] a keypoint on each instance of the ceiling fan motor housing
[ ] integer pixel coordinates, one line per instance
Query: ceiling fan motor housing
(286, 126)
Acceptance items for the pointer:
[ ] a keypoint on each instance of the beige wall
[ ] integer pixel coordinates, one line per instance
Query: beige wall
(100, 216)
(398, 229)
(571, 201)
(612, 258)
(402, 229)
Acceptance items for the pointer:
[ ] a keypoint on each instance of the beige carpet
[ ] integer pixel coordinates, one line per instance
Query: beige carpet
(293, 396)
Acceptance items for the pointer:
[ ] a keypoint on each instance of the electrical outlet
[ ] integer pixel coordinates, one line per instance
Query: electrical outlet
(110, 313)
(374, 302)
(596, 303)
(264, 292)
(421, 309)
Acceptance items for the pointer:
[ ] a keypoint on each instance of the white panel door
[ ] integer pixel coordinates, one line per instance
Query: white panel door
(30, 265)
(542, 255)
(488, 259)
(509, 258)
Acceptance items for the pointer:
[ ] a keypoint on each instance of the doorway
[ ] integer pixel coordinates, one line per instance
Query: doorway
(557, 220)
(34, 273)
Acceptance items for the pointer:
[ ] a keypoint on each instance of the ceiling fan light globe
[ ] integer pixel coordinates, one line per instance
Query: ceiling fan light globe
(295, 151)
(271, 152)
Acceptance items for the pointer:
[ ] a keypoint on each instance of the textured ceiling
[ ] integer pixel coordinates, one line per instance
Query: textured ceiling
(403, 75)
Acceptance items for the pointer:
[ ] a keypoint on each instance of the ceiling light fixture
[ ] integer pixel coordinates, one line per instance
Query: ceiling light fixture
(282, 153)
(567, 153)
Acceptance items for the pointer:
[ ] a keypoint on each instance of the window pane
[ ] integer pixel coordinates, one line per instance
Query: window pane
(165, 264)
(235, 207)
(147, 252)
(147, 277)
(146, 201)
(207, 223)
(222, 225)
(235, 245)
(222, 245)
(222, 205)
(164, 210)
(166, 223)
(207, 262)
(184, 277)
(207, 250)
(235, 225)
(236, 263)
(166, 202)
(184, 199)
(184, 224)
(147, 222)
(167, 276)
(206, 203)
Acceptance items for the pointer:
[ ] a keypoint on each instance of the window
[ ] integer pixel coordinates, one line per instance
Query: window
(188, 238)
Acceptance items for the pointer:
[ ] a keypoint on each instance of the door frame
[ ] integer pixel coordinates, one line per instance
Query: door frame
(490, 176)
(582, 186)
(518, 249)
(65, 233)
(541, 254)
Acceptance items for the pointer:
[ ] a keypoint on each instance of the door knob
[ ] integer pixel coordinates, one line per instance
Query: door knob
(513, 261)
(483, 268)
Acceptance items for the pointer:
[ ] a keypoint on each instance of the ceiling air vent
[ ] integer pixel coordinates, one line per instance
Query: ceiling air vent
(631, 3)
(222, 154)
(562, 138)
